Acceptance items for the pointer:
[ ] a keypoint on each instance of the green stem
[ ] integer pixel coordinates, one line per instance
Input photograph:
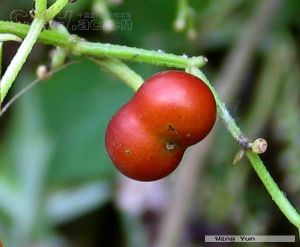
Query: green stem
(59, 55)
(20, 57)
(55, 8)
(122, 71)
(40, 7)
(58, 58)
(222, 110)
(100, 50)
(277, 195)
(137, 55)
(31, 38)
(9, 37)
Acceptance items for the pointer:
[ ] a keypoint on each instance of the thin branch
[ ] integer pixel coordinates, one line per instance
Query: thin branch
(19, 59)
(79, 46)
(55, 8)
(277, 195)
(28, 87)
(9, 37)
(122, 71)
(40, 7)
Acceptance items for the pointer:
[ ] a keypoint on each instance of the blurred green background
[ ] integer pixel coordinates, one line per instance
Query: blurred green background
(58, 187)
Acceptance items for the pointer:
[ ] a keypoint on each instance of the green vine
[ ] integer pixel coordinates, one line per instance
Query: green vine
(79, 46)
(277, 195)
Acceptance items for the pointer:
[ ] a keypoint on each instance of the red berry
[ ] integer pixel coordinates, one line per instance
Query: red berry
(147, 137)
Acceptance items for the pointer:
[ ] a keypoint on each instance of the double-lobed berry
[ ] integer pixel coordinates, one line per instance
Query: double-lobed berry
(147, 137)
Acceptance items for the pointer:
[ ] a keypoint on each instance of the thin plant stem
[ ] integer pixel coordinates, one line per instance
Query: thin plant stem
(5, 37)
(55, 8)
(122, 71)
(79, 46)
(31, 38)
(137, 55)
(222, 110)
(277, 195)
(59, 56)
(21, 56)
(30, 86)
(9, 37)
(40, 7)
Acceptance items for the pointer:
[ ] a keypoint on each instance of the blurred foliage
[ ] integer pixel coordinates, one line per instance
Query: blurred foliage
(57, 184)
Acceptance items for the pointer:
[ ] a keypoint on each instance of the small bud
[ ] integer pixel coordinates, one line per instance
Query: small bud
(238, 156)
(42, 72)
(179, 24)
(57, 26)
(108, 26)
(259, 146)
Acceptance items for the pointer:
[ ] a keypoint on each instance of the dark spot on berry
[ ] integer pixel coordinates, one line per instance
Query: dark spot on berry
(171, 128)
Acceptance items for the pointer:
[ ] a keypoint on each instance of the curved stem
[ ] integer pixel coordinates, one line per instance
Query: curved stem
(122, 71)
(9, 37)
(222, 110)
(99, 50)
(5, 37)
(58, 58)
(21, 56)
(277, 195)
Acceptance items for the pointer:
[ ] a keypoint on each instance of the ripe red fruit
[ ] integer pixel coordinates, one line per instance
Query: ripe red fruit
(147, 137)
